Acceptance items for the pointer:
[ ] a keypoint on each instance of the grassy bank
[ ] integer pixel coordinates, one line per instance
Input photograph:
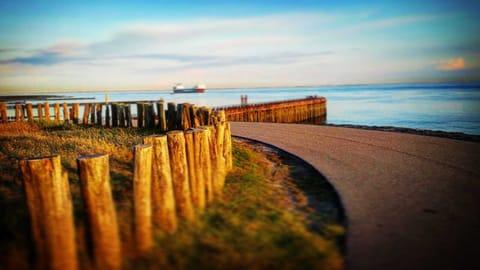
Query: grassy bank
(262, 221)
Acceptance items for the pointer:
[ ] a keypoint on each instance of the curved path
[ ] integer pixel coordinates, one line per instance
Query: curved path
(412, 202)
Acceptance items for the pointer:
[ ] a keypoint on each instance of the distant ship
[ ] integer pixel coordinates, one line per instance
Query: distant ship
(179, 88)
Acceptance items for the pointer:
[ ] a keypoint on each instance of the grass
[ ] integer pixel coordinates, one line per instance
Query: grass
(263, 221)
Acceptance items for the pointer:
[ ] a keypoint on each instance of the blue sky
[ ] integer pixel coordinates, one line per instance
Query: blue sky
(121, 45)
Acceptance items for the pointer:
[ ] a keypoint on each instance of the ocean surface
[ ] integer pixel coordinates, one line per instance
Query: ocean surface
(445, 107)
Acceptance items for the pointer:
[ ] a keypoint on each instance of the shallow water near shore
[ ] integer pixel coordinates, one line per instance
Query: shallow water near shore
(445, 107)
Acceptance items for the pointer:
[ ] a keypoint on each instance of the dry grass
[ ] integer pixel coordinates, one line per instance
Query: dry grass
(261, 222)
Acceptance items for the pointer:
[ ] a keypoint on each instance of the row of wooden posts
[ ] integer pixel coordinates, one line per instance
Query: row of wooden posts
(290, 111)
(175, 176)
(150, 114)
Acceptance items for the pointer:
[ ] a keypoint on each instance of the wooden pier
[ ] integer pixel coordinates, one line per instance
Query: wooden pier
(289, 111)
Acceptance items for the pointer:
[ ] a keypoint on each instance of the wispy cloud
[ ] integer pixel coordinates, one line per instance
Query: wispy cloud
(208, 42)
(452, 64)
(386, 23)
(43, 58)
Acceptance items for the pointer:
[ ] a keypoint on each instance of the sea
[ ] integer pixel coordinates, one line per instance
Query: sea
(451, 107)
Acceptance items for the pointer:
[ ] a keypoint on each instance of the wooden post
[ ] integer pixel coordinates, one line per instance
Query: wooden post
(227, 150)
(66, 116)
(220, 159)
(3, 112)
(94, 172)
(162, 120)
(93, 112)
(40, 112)
(51, 215)
(171, 116)
(128, 115)
(178, 165)
(196, 191)
(201, 159)
(29, 112)
(163, 200)
(75, 113)
(193, 117)
(210, 163)
(86, 111)
(121, 114)
(18, 112)
(99, 114)
(149, 115)
(107, 115)
(114, 115)
(186, 116)
(56, 110)
(179, 117)
(142, 203)
(47, 111)
(140, 115)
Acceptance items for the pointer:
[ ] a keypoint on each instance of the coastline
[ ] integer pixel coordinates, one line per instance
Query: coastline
(391, 183)
(415, 131)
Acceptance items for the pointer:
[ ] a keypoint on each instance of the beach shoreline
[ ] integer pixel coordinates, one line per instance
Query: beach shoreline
(415, 131)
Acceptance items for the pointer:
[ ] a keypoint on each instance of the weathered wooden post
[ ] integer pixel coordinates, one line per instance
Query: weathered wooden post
(128, 115)
(227, 150)
(149, 115)
(66, 116)
(171, 116)
(179, 117)
(142, 203)
(140, 115)
(92, 113)
(18, 112)
(51, 215)
(186, 116)
(163, 199)
(99, 114)
(114, 115)
(75, 113)
(220, 159)
(86, 111)
(94, 171)
(196, 178)
(107, 115)
(47, 111)
(195, 123)
(3, 112)
(202, 166)
(211, 181)
(121, 114)
(40, 111)
(180, 178)
(162, 120)
(29, 112)
(56, 110)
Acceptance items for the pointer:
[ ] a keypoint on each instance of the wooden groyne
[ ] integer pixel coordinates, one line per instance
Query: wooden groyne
(143, 114)
(290, 111)
(173, 175)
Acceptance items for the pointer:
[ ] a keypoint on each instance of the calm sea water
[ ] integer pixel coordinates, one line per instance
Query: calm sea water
(446, 107)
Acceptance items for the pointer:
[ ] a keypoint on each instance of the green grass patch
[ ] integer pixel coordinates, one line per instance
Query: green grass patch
(261, 222)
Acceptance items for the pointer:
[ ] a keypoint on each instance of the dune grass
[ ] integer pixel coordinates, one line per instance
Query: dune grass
(261, 222)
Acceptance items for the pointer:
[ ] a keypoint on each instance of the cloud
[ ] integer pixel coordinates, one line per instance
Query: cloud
(388, 23)
(452, 64)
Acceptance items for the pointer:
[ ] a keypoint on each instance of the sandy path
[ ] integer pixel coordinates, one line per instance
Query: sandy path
(412, 202)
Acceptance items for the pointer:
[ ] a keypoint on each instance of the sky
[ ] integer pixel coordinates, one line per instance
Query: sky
(146, 45)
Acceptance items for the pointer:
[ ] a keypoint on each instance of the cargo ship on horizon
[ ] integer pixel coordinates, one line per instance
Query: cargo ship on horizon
(179, 88)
